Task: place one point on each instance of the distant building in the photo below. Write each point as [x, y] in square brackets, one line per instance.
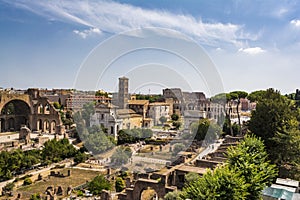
[177, 96]
[158, 110]
[123, 95]
[114, 119]
[191, 116]
[193, 101]
[245, 104]
[139, 106]
[76, 101]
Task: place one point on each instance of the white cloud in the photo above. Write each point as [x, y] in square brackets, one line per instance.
[116, 17]
[87, 32]
[295, 22]
[252, 50]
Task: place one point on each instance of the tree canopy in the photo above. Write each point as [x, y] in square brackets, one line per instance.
[130, 136]
[98, 184]
[272, 116]
[276, 121]
[121, 156]
[205, 129]
[250, 159]
[245, 174]
[163, 119]
[219, 184]
[18, 161]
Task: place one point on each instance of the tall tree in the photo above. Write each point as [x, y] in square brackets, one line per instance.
[273, 116]
[225, 100]
[256, 95]
[205, 129]
[249, 159]
[238, 95]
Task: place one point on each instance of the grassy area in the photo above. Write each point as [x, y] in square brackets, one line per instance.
[78, 177]
[157, 127]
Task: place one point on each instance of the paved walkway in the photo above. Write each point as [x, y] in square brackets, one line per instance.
[209, 149]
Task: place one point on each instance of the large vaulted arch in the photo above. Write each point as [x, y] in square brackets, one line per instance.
[14, 114]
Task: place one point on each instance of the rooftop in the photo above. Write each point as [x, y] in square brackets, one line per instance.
[187, 168]
[138, 102]
[287, 182]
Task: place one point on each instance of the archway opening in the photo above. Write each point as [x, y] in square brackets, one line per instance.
[39, 125]
[52, 127]
[14, 114]
[149, 194]
[46, 126]
[47, 109]
[2, 124]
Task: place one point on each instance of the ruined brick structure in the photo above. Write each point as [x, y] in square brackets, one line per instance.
[30, 109]
[173, 177]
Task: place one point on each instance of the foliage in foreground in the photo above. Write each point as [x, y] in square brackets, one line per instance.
[120, 184]
[249, 158]
[221, 183]
[246, 173]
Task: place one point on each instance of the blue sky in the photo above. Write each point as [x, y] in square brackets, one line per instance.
[254, 44]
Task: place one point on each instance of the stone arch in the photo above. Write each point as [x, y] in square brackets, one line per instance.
[46, 126]
[11, 124]
[47, 109]
[148, 193]
[191, 106]
[144, 184]
[40, 109]
[14, 114]
[2, 125]
[39, 125]
[53, 126]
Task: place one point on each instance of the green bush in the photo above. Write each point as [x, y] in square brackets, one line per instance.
[79, 193]
[35, 196]
[120, 184]
[98, 184]
[27, 181]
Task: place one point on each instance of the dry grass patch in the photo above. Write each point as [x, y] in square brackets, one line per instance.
[78, 177]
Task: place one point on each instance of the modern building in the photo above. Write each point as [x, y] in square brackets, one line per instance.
[76, 101]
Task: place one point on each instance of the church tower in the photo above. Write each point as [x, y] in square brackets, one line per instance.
[123, 93]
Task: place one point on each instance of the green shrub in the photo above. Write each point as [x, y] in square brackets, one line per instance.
[27, 181]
